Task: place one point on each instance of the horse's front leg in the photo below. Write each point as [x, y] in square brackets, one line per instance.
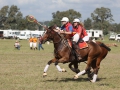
[47, 66]
[56, 64]
[61, 60]
[58, 67]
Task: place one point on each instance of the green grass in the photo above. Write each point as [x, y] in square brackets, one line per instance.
[23, 69]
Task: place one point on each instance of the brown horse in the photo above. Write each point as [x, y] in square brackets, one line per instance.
[63, 53]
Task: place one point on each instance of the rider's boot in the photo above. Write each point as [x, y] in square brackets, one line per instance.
[75, 48]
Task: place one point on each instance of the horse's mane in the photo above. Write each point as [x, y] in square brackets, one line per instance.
[52, 27]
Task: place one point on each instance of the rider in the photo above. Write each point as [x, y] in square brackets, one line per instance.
[66, 26]
[68, 29]
[80, 34]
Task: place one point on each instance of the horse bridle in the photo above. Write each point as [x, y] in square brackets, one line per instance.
[50, 35]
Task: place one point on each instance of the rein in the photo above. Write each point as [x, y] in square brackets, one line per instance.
[58, 41]
[63, 41]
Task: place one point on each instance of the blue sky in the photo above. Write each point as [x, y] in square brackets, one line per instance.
[43, 9]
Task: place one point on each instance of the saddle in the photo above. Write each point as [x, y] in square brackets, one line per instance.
[82, 44]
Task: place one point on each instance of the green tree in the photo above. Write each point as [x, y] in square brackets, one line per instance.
[118, 28]
[57, 16]
[12, 16]
[19, 18]
[88, 24]
[3, 15]
[101, 16]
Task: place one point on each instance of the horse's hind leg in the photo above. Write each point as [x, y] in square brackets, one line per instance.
[75, 69]
[87, 68]
[95, 66]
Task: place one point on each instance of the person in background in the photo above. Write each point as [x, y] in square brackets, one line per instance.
[17, 45]
[39, 43]
[31, 42]
[34, 42]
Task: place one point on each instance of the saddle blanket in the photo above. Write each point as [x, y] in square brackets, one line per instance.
[81, 45]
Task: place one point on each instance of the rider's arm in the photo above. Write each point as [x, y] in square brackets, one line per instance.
[70, 30]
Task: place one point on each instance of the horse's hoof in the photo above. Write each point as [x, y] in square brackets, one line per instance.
[44, 74]
[63, 70]
[92, 81]
[76, 77]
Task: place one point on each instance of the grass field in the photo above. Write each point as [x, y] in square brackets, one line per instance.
[23, 69]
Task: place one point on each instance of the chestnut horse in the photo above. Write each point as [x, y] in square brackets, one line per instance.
[64, 54]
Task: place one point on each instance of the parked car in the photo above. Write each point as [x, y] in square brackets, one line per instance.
[117, 38]
[112, 37]
[23, 36]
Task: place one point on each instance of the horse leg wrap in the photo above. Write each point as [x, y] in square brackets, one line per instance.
[94, 78]
[46, 68]
[80, 73]
[59, 69]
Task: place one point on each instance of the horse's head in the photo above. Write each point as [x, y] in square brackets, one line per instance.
[50, 34]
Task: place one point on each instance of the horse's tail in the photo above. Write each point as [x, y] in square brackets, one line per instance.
[103, 45]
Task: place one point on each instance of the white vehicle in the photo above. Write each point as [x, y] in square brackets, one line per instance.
[15, 33]
[37, 33]
[24, 34]
[95, 33]
[42, 32]
[117, 38]
[7, 33]
[112, 37]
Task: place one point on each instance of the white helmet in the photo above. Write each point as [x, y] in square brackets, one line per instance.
[65, 19]
[76, 20]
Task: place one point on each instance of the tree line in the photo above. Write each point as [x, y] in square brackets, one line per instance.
[12, 18]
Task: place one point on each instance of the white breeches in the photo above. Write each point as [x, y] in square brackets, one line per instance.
[31, 44]
[86, 38]
[76, 37]
[34, 45]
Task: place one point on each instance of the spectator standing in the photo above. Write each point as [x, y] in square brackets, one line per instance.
[35, 42]
[31, 42]
[39, 43]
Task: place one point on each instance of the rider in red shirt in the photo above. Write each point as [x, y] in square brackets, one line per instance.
[80, 31]
[67, 27]
[80, 34]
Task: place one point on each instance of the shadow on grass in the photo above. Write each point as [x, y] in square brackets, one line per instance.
[71, 79]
